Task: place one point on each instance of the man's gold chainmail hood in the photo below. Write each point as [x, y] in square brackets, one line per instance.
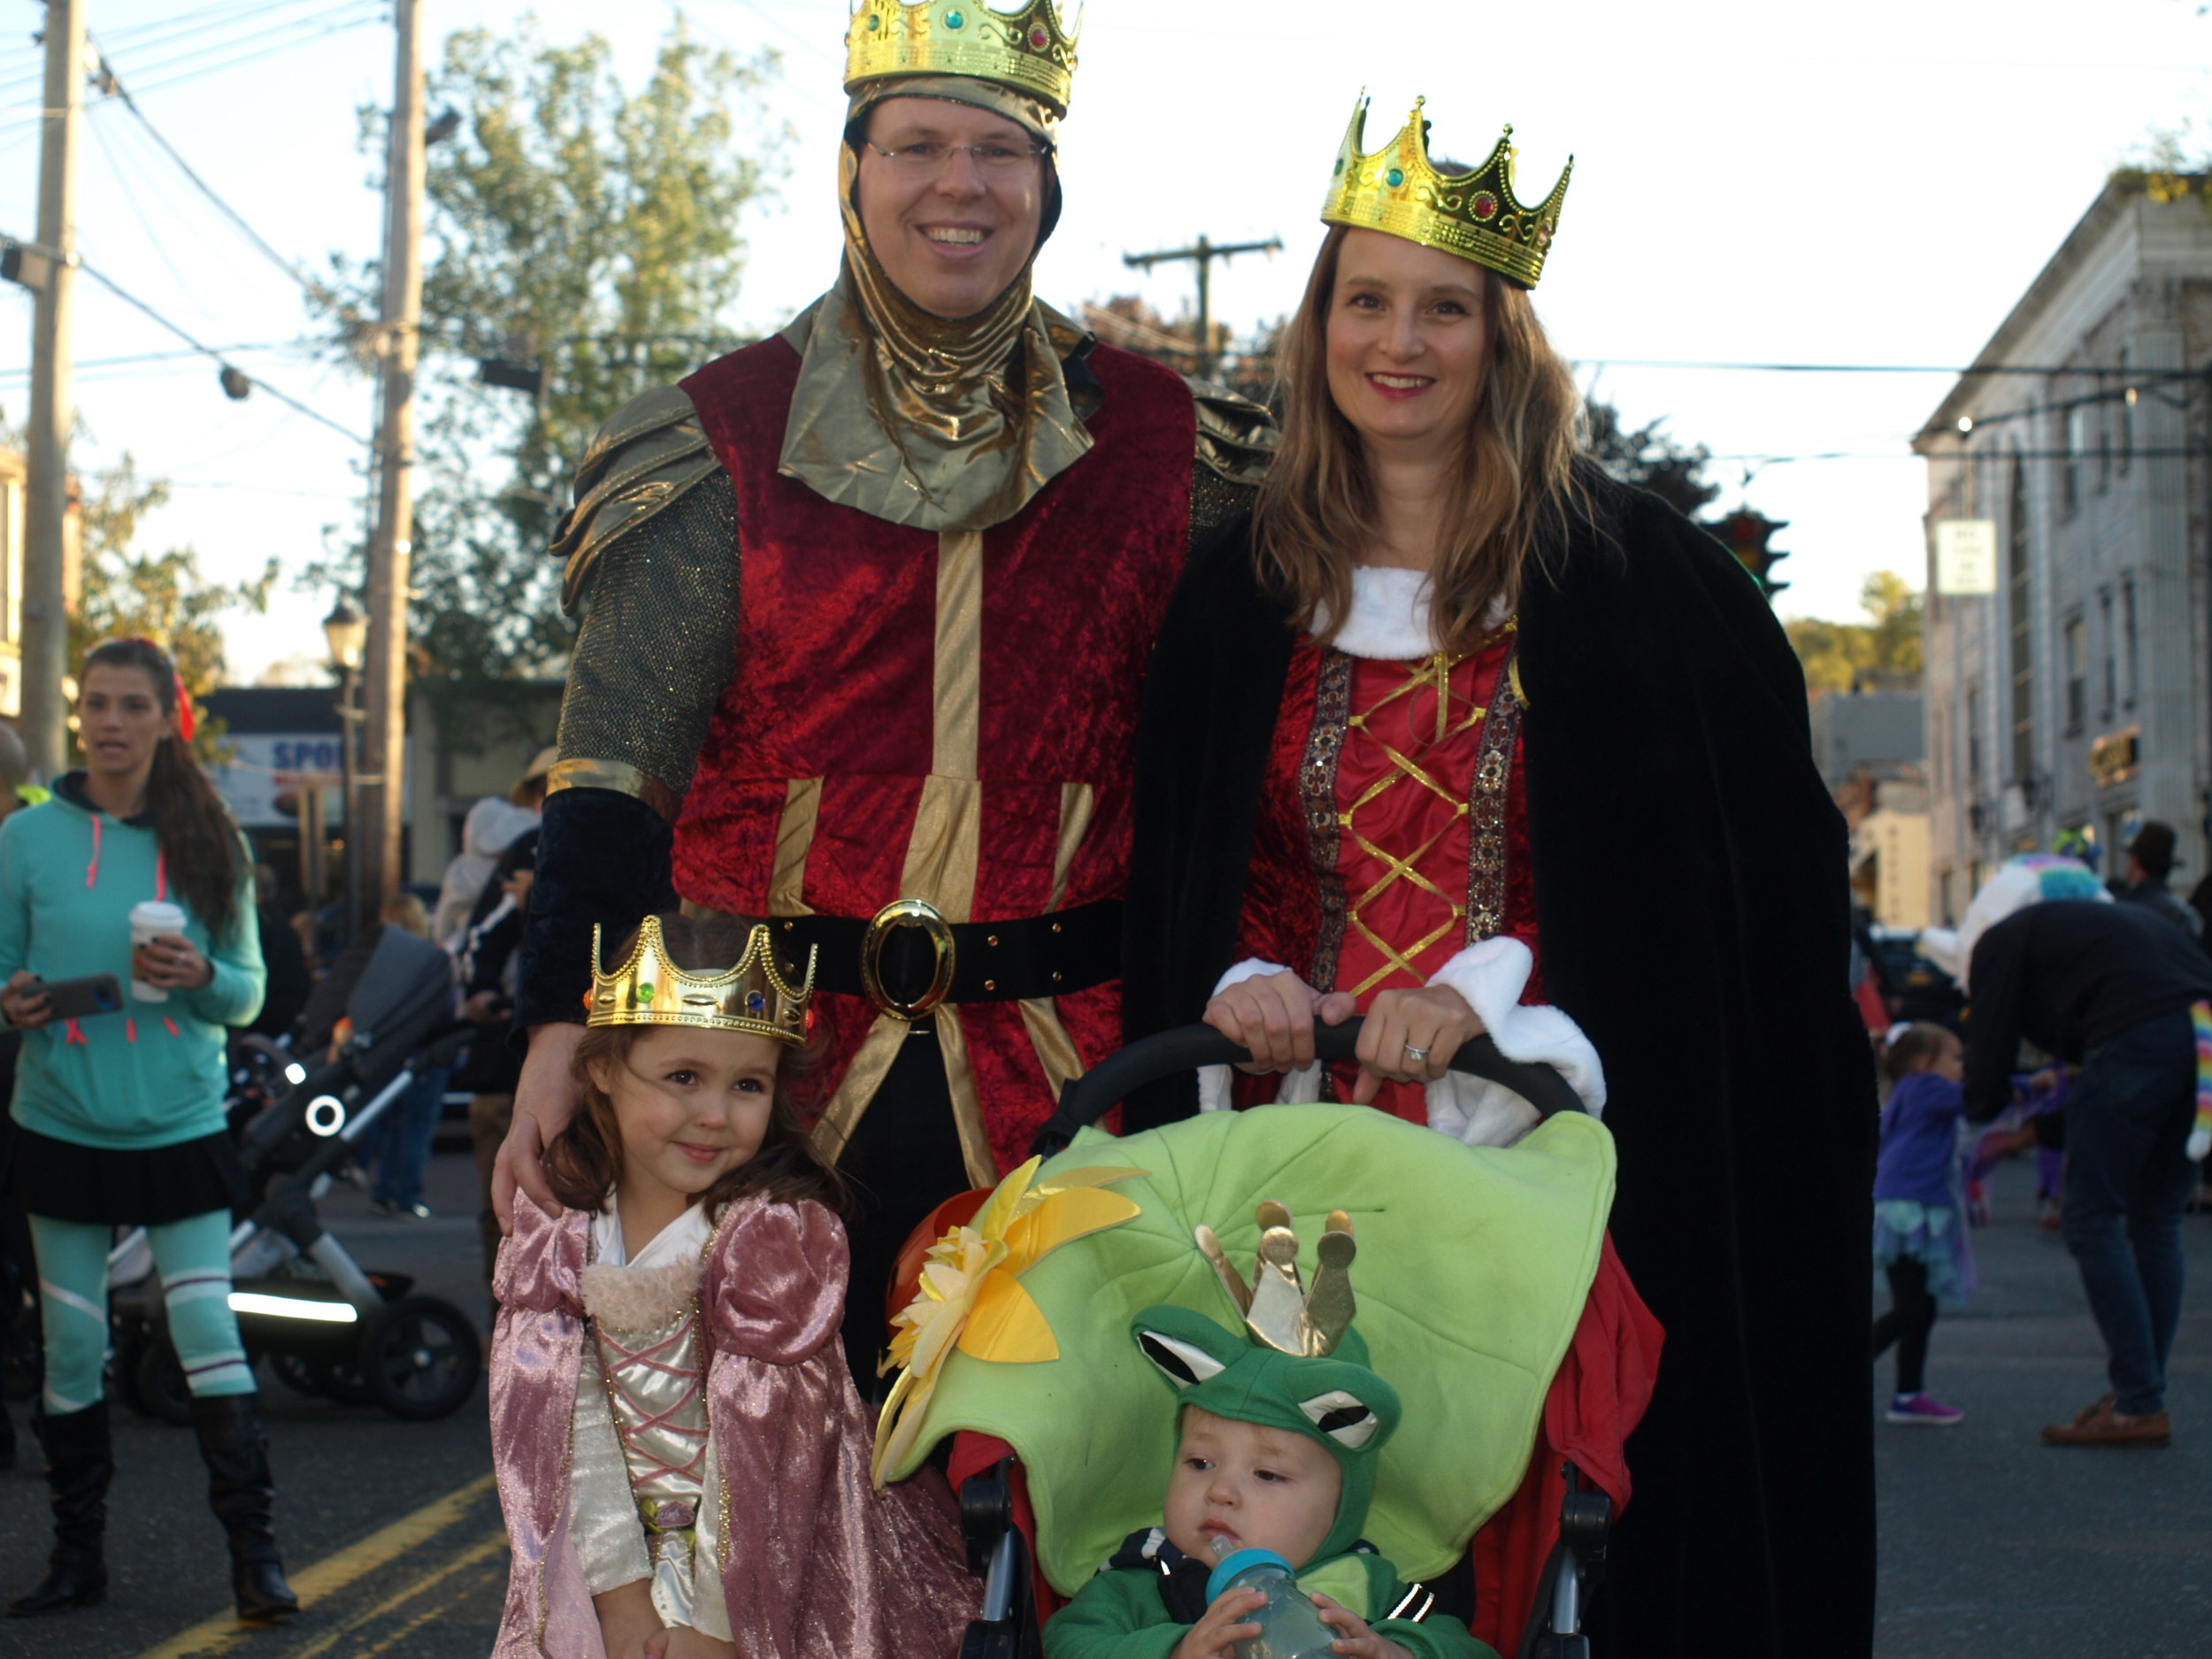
[934, 423]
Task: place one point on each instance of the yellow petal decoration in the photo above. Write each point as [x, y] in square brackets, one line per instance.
[970, 1296]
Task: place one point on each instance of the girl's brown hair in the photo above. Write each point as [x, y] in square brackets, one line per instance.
[585, 1160]
[1516, 489]
[195, 831]
[1917, 1047]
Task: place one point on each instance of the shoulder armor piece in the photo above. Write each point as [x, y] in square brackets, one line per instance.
[1236, 437]
[650, 454]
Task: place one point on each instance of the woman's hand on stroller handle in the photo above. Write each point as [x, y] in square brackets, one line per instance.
[1410, 1037]
[1222, 1625]
[546, 1099]
[1272, 1015]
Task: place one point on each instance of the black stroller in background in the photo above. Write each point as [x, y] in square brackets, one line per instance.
[327, 1326]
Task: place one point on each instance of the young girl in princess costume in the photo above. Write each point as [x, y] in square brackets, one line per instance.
[682, 1458]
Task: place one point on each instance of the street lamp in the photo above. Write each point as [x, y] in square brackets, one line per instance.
[347, 632]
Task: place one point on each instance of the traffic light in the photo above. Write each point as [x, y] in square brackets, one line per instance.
[1746, 534]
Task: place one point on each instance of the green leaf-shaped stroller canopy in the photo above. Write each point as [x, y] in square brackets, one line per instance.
[1473, 1266]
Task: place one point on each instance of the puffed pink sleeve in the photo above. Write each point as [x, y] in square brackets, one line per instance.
[814, 1562]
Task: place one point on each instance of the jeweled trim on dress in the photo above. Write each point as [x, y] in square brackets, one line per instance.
[1486, 804]
[1317, 788]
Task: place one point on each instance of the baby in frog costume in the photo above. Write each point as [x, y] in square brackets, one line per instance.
[1279, 1430]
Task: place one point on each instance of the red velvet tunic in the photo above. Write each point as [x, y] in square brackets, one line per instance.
[1403, 867]
[872, 729]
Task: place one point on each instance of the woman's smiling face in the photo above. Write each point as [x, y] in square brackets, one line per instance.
[1408, 341]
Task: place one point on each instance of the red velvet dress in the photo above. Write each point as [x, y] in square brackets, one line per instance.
[1393, 832]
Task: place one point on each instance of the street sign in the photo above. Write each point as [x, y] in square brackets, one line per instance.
[1966, 556]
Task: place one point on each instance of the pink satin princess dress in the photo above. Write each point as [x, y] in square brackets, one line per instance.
[687, 1418]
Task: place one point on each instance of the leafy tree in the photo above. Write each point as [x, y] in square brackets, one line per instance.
[1651, 458]
[1835, 654]
[586, 229]
[162, 596]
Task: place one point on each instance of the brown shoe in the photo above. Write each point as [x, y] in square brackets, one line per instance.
[2101, 1425]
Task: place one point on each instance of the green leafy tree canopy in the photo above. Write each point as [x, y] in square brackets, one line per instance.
[1835, 654]
[587, 229]
[161, 596]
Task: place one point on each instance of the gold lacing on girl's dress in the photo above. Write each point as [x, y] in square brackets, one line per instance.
[1455, 714]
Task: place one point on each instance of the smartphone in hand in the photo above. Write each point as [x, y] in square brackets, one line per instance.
[75, 999]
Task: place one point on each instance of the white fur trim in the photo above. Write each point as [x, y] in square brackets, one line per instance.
[1392, 617]
[1491, 976]
[639, 1298]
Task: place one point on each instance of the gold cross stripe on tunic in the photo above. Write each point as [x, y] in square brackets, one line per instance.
[1455, 714]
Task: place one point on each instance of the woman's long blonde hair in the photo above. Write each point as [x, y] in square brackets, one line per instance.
[1518, 485]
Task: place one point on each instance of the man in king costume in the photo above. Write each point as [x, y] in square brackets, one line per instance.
[864, 611]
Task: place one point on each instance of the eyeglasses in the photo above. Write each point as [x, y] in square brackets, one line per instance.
[923, 159]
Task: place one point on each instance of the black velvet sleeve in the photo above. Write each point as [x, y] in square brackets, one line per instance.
[1212, 692]
[603, 857]
[1993, 1035]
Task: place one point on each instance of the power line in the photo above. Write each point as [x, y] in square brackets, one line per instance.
[260, 28]
[209, 351]
[314, 290]
[363, 20]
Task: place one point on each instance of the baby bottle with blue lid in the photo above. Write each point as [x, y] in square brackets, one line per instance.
[1290, 1625]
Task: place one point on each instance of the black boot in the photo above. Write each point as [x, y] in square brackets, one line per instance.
[240, 1492]
[79, 1462]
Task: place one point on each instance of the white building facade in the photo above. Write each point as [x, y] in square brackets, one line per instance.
[2078, 696]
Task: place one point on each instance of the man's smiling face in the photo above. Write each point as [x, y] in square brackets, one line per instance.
[950, 235]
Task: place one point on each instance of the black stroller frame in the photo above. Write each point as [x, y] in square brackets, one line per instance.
[1007, 1626]
[327, 1326]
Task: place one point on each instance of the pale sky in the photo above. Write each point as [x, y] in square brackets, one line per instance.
[1755, 183]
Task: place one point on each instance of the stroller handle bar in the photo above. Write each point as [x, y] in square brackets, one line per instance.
[1086, 1100]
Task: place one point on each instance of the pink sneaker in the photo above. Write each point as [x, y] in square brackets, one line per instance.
[1923, 1409]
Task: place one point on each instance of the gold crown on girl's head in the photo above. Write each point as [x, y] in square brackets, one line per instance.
[1028, 50]
[1475, 215]
[648, 989]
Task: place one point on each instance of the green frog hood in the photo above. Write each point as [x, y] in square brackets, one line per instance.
[1297, 1366]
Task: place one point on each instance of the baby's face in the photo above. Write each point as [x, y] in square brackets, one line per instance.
[1238, 1486]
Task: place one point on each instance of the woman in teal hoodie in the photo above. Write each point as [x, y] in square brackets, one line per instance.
[119, 1116]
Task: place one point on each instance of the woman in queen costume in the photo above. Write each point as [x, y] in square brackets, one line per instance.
[682, 1459]
[1457, 732]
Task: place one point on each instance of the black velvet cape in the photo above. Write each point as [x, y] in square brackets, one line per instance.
[1693, 917]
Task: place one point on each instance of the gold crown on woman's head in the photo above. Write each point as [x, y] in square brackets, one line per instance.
[648, 989]
[1475, 215]
[1028, 50]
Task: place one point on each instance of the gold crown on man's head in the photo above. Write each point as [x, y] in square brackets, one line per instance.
[1028, 50]
[1475, 215]
[648, 989]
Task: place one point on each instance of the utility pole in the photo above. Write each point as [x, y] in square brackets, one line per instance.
[45, 552]
[391, 548]
[1203, 253]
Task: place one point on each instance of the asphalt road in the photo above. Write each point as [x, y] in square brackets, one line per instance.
[1992, 1544]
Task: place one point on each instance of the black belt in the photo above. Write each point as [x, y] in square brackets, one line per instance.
[907, 958]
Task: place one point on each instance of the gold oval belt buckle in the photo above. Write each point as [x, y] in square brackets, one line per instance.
[907, 913]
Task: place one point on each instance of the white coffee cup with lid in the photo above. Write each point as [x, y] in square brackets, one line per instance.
[152, 920]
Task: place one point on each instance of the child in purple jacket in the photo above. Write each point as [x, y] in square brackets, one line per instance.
[1919, 1216]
